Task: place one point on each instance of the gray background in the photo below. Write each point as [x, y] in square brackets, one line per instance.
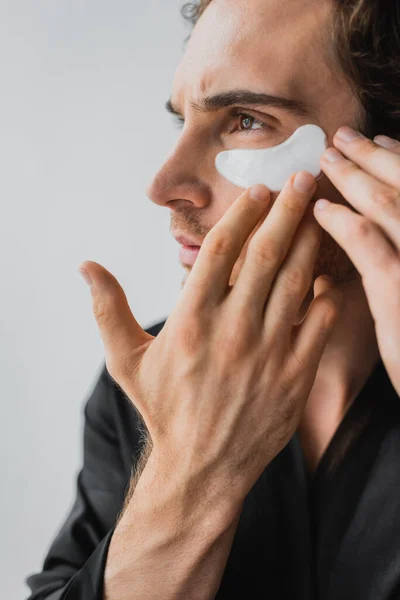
[82, 132]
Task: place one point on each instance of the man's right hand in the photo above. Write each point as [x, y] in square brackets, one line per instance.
[223, 386]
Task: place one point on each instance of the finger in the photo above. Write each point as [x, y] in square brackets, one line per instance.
[119, 330]
[222, 247]
[388, 143]
[313, 333]
[365, 243]
[379, 162]
[322, 284]
[295, 277]
[375, 200]
[269, 246]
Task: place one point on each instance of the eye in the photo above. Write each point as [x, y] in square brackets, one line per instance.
[248, 122]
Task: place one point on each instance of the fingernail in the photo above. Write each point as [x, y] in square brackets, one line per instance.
[86, 277]
[321, 204]
[304, 182]
[347, 134]
[259, 192]
[385, 141]
[332, 155]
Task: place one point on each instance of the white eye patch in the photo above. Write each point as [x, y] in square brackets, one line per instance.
[273, 166]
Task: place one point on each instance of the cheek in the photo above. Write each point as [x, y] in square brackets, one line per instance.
[326, 189]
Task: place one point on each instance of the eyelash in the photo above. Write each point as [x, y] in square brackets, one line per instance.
[236, 113]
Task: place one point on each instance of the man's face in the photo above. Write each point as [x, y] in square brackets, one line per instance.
[274, 47]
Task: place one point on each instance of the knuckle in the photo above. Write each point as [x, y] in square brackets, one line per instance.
[234, 342]
[292, 205]
[265, 251]
[101, 312]
[361, 228]
[189, 337]
[219, 244]
[386, 197]
[293, 279]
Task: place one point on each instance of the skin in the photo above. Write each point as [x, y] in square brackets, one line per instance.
[238, 328]
[262, 47]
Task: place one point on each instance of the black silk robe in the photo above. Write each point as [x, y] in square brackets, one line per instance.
[334, 535]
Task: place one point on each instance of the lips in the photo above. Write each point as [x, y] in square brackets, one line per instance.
[189, 250]
[186, 241]
[188, 255]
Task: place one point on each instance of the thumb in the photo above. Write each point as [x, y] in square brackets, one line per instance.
[119, 330]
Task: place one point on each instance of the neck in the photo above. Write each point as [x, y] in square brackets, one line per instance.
[349, 358]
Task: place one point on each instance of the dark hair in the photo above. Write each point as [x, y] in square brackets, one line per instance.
[366, 46]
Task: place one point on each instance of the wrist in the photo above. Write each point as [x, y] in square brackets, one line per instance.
[165, 525]
[190, 504]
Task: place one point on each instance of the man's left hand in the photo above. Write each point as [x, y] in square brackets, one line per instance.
[368, 176]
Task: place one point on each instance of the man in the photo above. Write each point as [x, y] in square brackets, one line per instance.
[261, 421]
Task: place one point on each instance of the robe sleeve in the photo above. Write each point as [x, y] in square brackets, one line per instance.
[74, 566]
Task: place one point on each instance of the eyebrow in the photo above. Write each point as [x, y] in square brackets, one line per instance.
[230, 98]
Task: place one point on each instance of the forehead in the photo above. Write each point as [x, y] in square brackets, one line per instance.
[279, 47]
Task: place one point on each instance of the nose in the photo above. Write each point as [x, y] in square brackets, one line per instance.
[185, 177]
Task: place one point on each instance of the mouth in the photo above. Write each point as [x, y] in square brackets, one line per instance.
[188, 255]
[189, 250]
